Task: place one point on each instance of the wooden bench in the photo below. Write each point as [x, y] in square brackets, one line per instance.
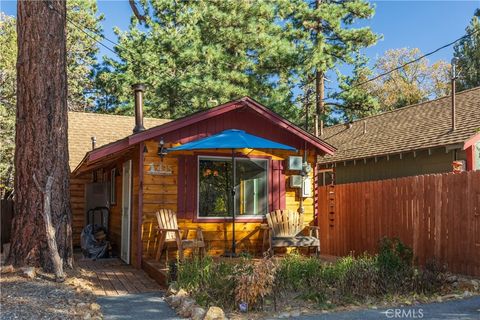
[285, 228]
[169, 232]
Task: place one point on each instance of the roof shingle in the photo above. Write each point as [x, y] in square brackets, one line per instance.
[420, 126]
[106, 128]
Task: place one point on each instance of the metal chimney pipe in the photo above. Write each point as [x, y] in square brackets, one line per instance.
[453, 93]
[138, 89]
[94, 142]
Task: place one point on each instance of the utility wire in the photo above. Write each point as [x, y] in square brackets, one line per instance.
[409, 62]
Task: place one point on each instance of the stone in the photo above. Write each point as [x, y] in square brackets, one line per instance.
[476, 284]
[87, 316]
[94, 306]
[29, 272]
[214, 313]
[172, 289]
[284, 315]
[181, 293]
[452, 279]
[175, 301]
[186, 306]
[81, 305]
[467, 294]
[198, 313]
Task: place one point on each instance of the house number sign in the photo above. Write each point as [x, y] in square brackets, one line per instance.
[160, 169]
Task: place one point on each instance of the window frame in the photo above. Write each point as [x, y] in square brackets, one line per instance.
[237, 217]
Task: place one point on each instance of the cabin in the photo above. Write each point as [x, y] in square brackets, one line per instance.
[436, 136]
[136, 175]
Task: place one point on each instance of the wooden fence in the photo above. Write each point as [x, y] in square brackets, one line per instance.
[437, 215]
[6, 215]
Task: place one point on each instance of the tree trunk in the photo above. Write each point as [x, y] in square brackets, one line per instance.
[319, 86]
[41, 153]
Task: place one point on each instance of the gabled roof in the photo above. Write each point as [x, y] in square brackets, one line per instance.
[106, 128]
[163, 129]
[420, 126]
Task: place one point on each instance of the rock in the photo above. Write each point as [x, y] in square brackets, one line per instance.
[7, 269]
[439, 299]
[181, 293]
[214, 313]
[186, 306]
[450, 296]
[94, 306]
[172, 289]
[175, 301]
[198, 313]
[81, 305]
[452, 279]
[87, 316]
[467, 294]
[29, 272]
[475, 284]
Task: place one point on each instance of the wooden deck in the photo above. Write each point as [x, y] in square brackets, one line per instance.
[112, 277]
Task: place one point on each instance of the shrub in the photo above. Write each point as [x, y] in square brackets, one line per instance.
[358, 277]
[254, 281]
[210, 283]
[303, 275]
[395, 264]
[431, 278]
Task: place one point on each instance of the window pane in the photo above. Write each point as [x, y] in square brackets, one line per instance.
[214, 185]
[251, 187]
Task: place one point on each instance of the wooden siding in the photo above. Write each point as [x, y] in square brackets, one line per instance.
[163, 192]
[439, 161]
[77, 201]
[437, 215]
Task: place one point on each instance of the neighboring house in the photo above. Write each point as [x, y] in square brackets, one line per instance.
[105, 128]
[134, 177]
[413, 140]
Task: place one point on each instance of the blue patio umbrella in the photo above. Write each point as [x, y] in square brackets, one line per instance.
[232, 139]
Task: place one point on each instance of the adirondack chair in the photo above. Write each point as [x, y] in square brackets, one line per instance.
[284, 230]
[170, 233]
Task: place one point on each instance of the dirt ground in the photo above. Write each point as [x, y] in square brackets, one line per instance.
[43, 298]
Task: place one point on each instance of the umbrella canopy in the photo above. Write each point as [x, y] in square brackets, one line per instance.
[232, 139]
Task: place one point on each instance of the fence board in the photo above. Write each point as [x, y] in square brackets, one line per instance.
[437, 215]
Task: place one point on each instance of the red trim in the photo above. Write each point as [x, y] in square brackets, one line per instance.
[140, 206]
[181, 188]
[108, 149]
[471, 141]
[191, 187]
[246, 102]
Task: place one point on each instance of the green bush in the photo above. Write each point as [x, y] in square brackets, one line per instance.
[209, 282]
[358, 278]
[395, 264]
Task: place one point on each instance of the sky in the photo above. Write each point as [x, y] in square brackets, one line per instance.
[426, 25]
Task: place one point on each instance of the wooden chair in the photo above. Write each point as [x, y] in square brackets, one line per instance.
[284, 230]
[168, 232]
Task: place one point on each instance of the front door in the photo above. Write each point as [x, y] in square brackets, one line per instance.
[126, 210]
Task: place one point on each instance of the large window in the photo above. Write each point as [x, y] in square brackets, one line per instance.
[215, 186]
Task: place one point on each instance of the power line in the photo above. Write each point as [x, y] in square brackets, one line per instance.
[409, 62]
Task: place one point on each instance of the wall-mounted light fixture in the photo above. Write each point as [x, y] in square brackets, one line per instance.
[162, 151]
[145, 149]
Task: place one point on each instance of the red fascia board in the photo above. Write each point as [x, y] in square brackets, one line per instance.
[290, 126]
[108, 149]
[471, 141]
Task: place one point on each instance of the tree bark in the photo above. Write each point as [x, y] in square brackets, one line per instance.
[319, 86]
[41, 153]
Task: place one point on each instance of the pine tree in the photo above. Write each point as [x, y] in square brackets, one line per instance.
[41, 227]
[197, 54]
[325, 37]
[468, 53]
[81, 51]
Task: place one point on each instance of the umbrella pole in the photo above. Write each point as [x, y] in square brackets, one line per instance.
[233, 203]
